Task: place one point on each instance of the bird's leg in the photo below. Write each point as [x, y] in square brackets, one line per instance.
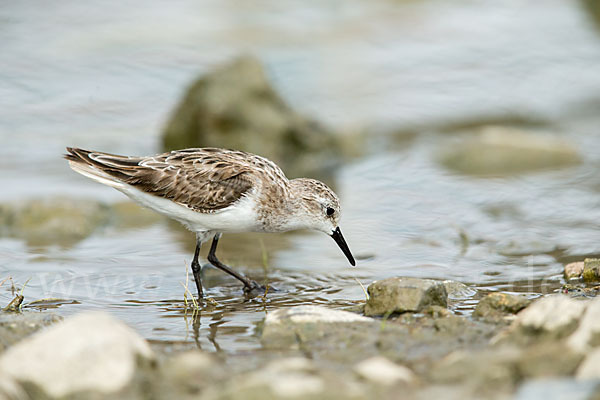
[197, 270]
[249, 284]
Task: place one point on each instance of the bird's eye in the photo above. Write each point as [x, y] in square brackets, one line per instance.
[330, 211]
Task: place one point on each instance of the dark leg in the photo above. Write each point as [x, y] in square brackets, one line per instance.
[196, 270]
[249, 285]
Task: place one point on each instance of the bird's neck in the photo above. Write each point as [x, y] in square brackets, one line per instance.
[291, 211]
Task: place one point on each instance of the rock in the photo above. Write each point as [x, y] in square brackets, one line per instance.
[295, 377]
[499, 150]
[557, 315]
[57, 220]
[66, 221]
[382, 371]
[398, 295]
[587, 334]
[496, 306]
[307, 314]
[554, 389]
[190, 372]
[590, 367]
[10, 390]
[304, 327]
[437, 312]
[580, 290]
[17, 326]
[573, 270]
[548, 359]
[489, 370]
[591, 270]
[236, 107]
[458, 290]
[90, 352]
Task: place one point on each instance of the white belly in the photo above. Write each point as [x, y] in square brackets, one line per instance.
[240, 217]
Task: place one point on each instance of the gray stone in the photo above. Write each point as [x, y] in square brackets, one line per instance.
[548, 359]
[555, 314]
[458, 290]
[398, 295]
[66, 221]
[573, 270]
[382, 371]
[591, 270]
[294, 377]
[190, 372]
[17, 326]
[235, 107]
[55, 220]
[496, 306]
[489, 370]
[556, 389]
[315, 327]
[587, 334]
[10, 390]
[590, 367]
[90, 352]
[498, 150]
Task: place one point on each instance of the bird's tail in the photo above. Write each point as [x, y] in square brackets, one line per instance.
[80, 161]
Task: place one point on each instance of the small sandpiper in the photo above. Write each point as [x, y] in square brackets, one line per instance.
[212, 191]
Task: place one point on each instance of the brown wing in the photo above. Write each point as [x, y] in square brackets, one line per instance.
[204, 180]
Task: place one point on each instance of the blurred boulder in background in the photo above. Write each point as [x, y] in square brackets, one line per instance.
[500, 150]
[592, 7]
[236, 107]
[66, 221]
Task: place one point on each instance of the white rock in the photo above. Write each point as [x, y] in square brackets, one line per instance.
[303, 314]
[589, 326]
[590, 367]
[291, 364]
[382, 371]
[551, 313]
[90, 351]
[289, 377]
[10, 390]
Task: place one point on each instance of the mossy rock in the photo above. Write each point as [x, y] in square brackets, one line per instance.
[591, 270]
[236, 107]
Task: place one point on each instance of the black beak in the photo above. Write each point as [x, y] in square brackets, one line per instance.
[339, 239]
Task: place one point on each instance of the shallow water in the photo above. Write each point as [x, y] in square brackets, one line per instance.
[105, 76]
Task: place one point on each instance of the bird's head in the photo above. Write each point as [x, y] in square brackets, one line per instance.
[319, 209]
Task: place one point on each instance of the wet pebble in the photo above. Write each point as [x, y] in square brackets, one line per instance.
[496, 306]
[591, 270]
[398, 295]
[573, 270]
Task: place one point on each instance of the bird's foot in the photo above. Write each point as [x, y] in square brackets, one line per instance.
[256, 289]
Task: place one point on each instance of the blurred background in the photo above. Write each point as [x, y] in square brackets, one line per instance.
[462, 138]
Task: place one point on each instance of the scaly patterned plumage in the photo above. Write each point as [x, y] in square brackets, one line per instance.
[212, 190]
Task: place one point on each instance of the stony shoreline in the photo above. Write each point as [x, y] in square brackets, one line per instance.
[414, 345]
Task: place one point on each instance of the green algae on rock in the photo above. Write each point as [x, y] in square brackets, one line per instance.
[591, 270]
